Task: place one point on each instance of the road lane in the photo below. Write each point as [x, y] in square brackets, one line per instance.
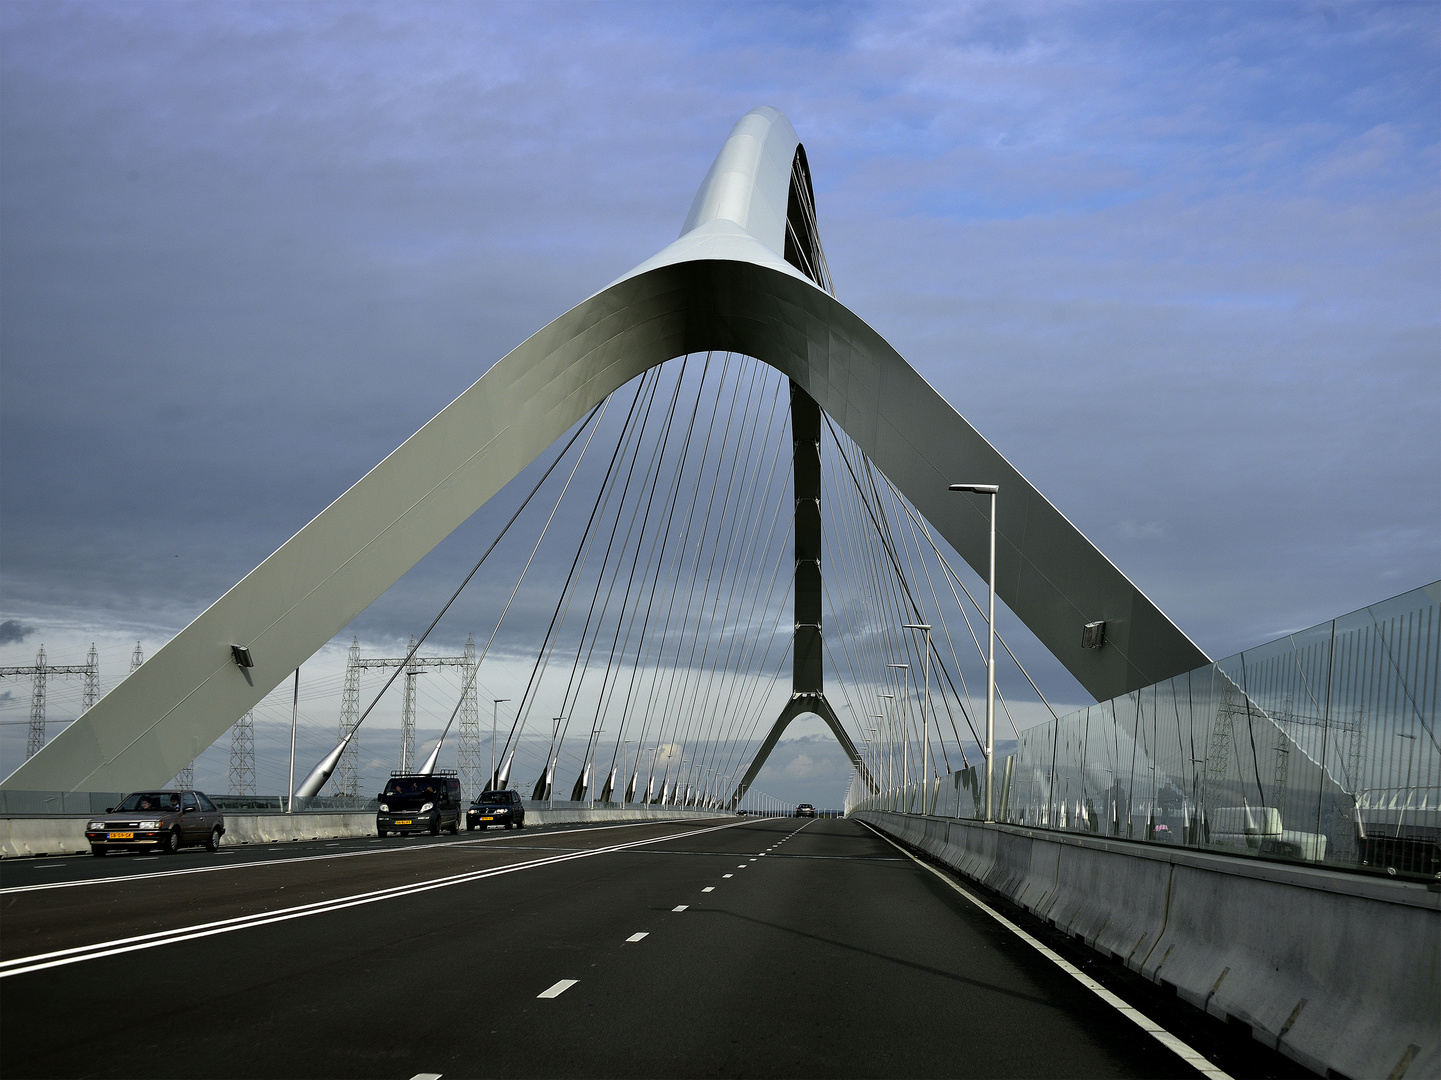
[828, 955]
[43, 920]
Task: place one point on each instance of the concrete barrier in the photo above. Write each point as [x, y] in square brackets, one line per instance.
[1338, 971]
[54, 835]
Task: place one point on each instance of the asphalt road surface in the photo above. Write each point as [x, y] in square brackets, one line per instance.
[750, 947]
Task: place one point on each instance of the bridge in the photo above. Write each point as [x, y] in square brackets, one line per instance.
[1222, 867]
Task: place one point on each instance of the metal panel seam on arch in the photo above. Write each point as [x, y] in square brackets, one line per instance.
[723, 285]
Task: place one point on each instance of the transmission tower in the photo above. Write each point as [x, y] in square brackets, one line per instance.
[35, 735]
[242, 756]
[407, 713]
[417, 665]
[468, 741]
[136, 658]
[40, 673]
[90, 692]
[347, 772]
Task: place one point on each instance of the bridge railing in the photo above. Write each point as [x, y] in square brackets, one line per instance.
[1319, 747]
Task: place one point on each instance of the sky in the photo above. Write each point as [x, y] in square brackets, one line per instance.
[1179, 262]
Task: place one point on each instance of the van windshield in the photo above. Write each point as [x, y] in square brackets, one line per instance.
[420, 785]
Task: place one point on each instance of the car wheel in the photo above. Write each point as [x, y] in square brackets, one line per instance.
[455, 827]
[435, 826]
[171, 844]
[380, 832]
[520, 824]
[213, 844]
[97, 851]
[510, 824]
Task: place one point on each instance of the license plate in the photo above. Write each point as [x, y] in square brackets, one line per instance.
[122, 836]
[405, 822]
[487, 819]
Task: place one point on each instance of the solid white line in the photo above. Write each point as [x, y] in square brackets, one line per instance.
[558, 989]
[408, 849]
[640, 936]
[709, 888]
[680, 907]
[1181, 1049]
[61, 957]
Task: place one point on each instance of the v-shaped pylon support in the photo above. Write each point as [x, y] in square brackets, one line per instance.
[808, 692]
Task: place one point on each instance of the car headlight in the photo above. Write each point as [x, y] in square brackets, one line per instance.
[426, 807]
[148, 825]
[385, 807]
[96, 826]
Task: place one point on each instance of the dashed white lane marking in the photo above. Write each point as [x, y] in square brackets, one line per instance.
[742, 866]
[727, 875]
[641, 936]
[558, 989]
[426, 1076]
[25, 964]
[1183, 1050]
[709, 888]
[680, 907]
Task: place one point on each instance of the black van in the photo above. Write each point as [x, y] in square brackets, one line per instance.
[416, 802]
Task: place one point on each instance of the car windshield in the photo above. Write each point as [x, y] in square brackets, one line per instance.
[154, 801]
[494, 797]
[411, 786]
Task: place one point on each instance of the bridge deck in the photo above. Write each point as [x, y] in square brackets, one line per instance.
[820, 951]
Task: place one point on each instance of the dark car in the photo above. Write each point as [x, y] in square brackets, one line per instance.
[419, 802]
[805, 809]
[496, 808]
[163, 821]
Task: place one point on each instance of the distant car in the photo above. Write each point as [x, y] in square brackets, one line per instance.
[496, 808]
[163, 821]
[419, 802]
[805, 809]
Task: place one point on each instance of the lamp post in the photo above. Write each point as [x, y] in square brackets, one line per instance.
[905, 724]
[877, 747]
[890, 748]
[992, 490]
[925, 713]
[494, 708]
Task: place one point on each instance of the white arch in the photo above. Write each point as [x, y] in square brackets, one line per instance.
[724, 285]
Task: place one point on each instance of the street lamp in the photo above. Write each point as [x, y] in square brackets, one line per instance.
[991, 490]
[494, 708]
[905, 724]
[925, 713]
[890, 748]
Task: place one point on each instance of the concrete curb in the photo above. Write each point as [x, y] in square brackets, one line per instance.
[22, 837]
[1339, 972]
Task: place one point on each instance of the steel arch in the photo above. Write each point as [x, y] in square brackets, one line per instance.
[723, 285]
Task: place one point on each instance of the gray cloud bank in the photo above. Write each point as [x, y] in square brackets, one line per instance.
[1177, 261]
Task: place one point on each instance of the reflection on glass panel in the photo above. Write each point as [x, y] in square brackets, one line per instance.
[1320, 747]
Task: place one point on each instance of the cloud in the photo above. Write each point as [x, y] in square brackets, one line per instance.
[13, 630]
[1179, 269]
[1130, 530]
[801, 767]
